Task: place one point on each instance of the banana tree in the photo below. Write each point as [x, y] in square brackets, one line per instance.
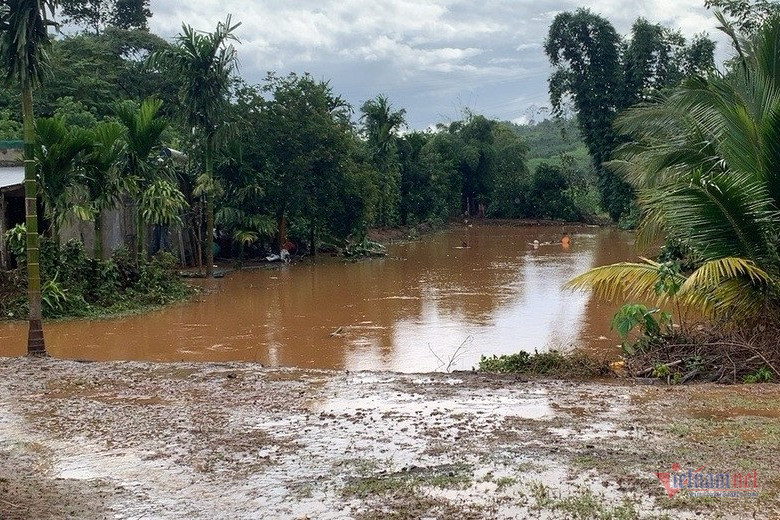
[24, 50]
[205, 63]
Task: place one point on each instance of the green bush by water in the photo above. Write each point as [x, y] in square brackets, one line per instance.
[551, 363]
[75, 285]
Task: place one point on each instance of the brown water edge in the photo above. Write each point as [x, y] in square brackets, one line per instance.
[431, 305]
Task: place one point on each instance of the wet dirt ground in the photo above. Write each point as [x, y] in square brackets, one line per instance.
[130, 440]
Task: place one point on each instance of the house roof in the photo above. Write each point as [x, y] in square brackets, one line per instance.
[11, 176]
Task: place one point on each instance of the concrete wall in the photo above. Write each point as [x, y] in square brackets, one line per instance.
[113, 232]
[3, 227]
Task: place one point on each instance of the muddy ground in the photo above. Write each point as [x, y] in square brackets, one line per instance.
[237, 441]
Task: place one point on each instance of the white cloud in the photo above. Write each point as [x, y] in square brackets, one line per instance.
[426, 55]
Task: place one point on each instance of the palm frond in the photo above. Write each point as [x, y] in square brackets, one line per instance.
[24, 39]
[206, 63]
[713, 273]
[624, 281]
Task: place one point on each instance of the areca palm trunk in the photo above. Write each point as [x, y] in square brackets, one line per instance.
[209, 208]
[36, 345]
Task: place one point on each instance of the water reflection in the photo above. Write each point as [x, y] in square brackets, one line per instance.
[409, 312]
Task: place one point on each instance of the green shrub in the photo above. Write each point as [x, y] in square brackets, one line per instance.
[551, 363]
[762, 375]
[74, 285]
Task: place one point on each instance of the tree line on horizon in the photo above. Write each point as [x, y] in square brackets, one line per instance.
[287, 158]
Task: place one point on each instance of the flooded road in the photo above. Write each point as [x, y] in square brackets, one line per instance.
[430, 305]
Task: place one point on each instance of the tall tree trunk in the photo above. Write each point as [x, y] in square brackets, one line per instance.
[97, 246]
[198, 237]
[209, 209]
[36, 346]
[182, 253]
[55, 232]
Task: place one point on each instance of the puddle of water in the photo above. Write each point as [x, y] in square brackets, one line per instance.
[408, 404]
[426, 307]
[533, 404]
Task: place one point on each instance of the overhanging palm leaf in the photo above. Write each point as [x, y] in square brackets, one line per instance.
[625, 280]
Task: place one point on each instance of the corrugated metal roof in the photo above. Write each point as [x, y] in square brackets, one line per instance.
[11, 176]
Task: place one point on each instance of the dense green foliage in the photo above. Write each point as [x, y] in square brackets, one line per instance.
[381, 125]
[90, 74]
[705, 162]
[96, 15]
[602, 74]
[747, 15]
[552, 363]
[292, 162]
[76, 285]
[288, 163]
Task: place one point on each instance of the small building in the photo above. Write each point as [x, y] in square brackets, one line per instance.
[11, 192]
[117, 224]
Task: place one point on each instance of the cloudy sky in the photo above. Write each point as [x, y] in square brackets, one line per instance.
[432, 57]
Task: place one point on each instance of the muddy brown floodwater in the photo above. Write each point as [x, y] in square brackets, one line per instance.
[430, 305]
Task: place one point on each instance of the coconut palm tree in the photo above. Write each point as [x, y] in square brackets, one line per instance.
[705, 161]
[205, 63]
[24, 50]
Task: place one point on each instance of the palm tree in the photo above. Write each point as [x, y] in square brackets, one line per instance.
[205, 62]
[24, 47]
[143, 128]
[705, 161]
[58, 156]
[381, 127]
[103, 180]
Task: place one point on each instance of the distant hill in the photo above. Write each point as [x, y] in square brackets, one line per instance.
[547, 140]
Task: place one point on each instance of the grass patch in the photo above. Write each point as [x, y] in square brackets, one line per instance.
[407, 481]
[583, 504]
[552, 363]
[504, 482]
